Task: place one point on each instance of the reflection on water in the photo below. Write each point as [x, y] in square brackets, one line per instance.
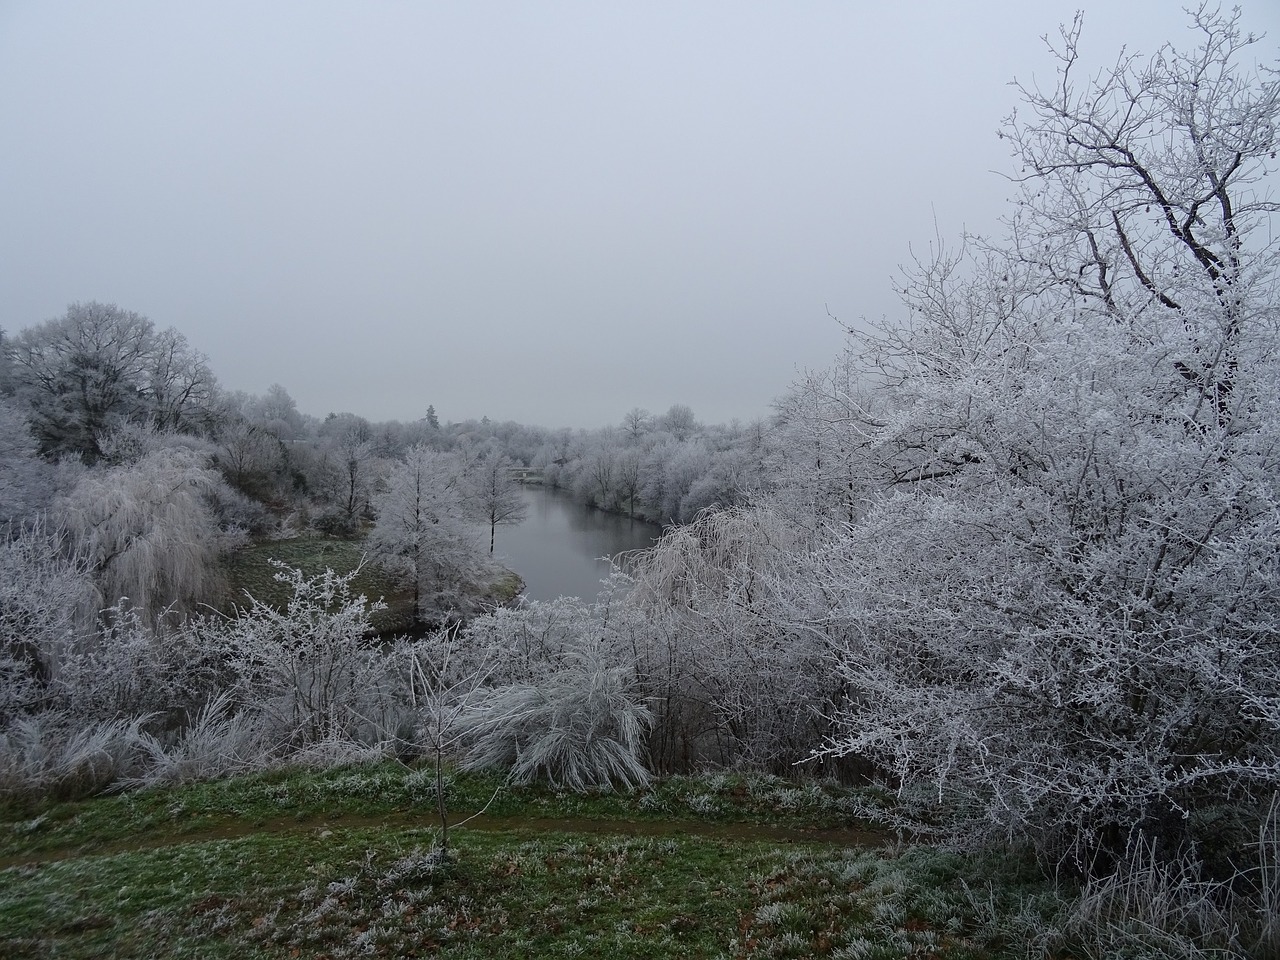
[557, 549]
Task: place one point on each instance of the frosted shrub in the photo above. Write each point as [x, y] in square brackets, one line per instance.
[58, 754]
[217, 743]
[578, 727]
[308, 670]
[46, 606]
[128, 669]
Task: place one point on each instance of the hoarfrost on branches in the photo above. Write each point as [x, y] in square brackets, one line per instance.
[1059, 611]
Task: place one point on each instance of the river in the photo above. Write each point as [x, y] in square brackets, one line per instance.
[557, 548]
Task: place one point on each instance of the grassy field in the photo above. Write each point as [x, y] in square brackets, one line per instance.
[346, 862]
[249, 570]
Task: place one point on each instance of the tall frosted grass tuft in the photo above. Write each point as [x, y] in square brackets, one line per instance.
[218, 742]
[1155, 907]
[51, 753]
[1261, 886]
[579, 727]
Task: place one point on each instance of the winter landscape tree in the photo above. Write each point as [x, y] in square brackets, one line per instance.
[347, 468]
[444, 686]
[1059, 614]
[27, 481]
[422, 531]
[249, 455]
[276, 412]
[147, 530]
[626, 470]
[495, 493]
[730, 683]
[595, 482]
[636, 422]
[679, 421]
[97, 366]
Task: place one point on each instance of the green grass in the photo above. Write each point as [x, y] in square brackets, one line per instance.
[733, 803]
[250, 570]
[345, 863]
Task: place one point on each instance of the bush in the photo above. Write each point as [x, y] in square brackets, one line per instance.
[308, 671]
[58, 754]
[580, 727]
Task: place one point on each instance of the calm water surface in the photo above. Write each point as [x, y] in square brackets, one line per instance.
[559, 546]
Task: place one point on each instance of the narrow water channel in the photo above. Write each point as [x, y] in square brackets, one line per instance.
[558, 548]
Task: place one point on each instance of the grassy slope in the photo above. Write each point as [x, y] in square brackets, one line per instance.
[329, 864]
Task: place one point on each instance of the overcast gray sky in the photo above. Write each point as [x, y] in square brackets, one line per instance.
[546, 212]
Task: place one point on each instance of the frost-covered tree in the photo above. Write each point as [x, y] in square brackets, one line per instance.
[147, 530]
[445, 681]
[494, 493]
[679, 421]
[729, 681]
[98, 366]
[636, 422]
[6, 365]
[1059, 614]
[422, 530]
[687, 465]
[347, 469]
[27, 482]
[266, 450]
[179, 387]
[276, 412]
[249, 455]
[596, 477]
[626, 476]
[820, 470]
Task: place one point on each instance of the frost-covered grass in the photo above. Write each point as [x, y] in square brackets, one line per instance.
[47, 754]
[346, 862]
[160, 885]
[391, 789]
[250, 570]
